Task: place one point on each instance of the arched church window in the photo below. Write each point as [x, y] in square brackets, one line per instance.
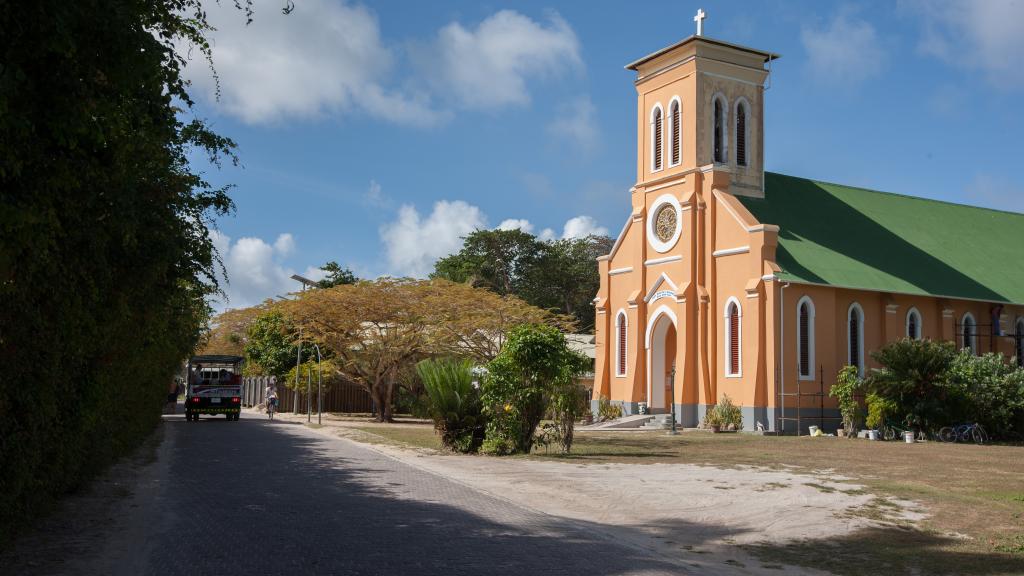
[732, 338]
[675, 146]
[620, 352]
[719, 130]
[855, 337]
[657, 148]
[805, 337]
[968, 333]
[1019, 338]
[741, 134]
[914, 324]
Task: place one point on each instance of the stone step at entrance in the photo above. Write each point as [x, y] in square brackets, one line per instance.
[659, 422]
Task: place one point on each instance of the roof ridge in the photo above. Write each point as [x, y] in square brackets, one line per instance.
[898, 195]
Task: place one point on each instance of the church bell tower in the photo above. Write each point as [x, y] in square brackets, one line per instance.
[701, 104]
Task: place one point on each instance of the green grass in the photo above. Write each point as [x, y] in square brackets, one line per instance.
[419, 436]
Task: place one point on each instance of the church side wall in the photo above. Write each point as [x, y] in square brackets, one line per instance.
[885, 321]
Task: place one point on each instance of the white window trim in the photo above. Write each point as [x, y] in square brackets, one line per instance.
[728, 338]
[860, 337]
[746, 128]
[652, 235]
[725, 128]
[675, 100]
[657, 107]
[920, 333]
[810, 337]
[973, 344]
[621, 320]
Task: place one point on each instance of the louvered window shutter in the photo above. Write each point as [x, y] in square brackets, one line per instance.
[741, 135]
[657, 139]
[622, 345]
[805, 361]
[854, 340]
[718, 131]
[734, 340]
[676, 129]
[1020, 344]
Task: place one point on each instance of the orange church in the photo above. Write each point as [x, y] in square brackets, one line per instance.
[733, 280]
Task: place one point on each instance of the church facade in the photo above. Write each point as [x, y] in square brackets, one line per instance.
[729, 280]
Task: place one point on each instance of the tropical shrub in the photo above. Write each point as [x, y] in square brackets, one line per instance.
[991, 392]
[606, 410]
[845, 390]
[725, 414]
[454, 402]
[534, 368]
[880, 409]
[914, 377]
[568, 404]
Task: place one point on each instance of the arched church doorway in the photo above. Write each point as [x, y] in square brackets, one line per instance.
[661, 354]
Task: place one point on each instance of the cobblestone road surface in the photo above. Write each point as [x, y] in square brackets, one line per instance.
[257, 497]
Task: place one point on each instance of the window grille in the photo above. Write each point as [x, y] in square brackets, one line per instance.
[734, 339]
[719, 146]
[621, 368]
[657, 139]
[805, 340]
[676, 135]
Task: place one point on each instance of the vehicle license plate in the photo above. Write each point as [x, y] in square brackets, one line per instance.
[214, 400]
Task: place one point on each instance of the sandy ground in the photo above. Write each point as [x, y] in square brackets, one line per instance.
[701, 512]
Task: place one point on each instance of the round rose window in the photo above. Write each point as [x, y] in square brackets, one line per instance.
[665, 223]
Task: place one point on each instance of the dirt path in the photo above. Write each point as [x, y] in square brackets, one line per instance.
[702, 514]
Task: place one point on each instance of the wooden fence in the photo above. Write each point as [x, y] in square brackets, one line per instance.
[339, 398]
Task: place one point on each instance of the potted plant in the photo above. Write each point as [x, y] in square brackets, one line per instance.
[730, 414]
[712, 420]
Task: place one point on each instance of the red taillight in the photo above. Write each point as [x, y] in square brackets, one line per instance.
[195, 399]
[236, 400]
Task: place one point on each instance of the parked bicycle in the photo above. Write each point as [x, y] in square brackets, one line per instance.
[964, 433]
[891, 430]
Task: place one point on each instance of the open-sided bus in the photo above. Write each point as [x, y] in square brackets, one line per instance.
[214, 386]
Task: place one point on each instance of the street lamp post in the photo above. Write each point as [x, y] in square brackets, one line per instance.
[306, 283]
[319, 385]
[672, 400]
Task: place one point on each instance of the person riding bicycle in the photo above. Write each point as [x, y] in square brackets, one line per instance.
[271, 396]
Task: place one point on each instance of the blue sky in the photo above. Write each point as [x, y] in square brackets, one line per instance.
[376, 134]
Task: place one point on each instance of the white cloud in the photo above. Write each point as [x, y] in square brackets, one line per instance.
[488, 66]
[255, 270]
[847, 50]
[324, 57]
[577, 123]
[986, 36]
[516, 224]
[375, 196]
[413, 243]
[547, 235]
[581, 227]
[314, 273]
[284, 245]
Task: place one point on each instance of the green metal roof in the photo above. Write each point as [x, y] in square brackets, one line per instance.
[856, 238]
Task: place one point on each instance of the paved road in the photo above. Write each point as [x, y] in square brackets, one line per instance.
[257, 497]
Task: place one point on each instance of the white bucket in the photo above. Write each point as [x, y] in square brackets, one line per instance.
[872, 434]
[908, 437]
[812, 430]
